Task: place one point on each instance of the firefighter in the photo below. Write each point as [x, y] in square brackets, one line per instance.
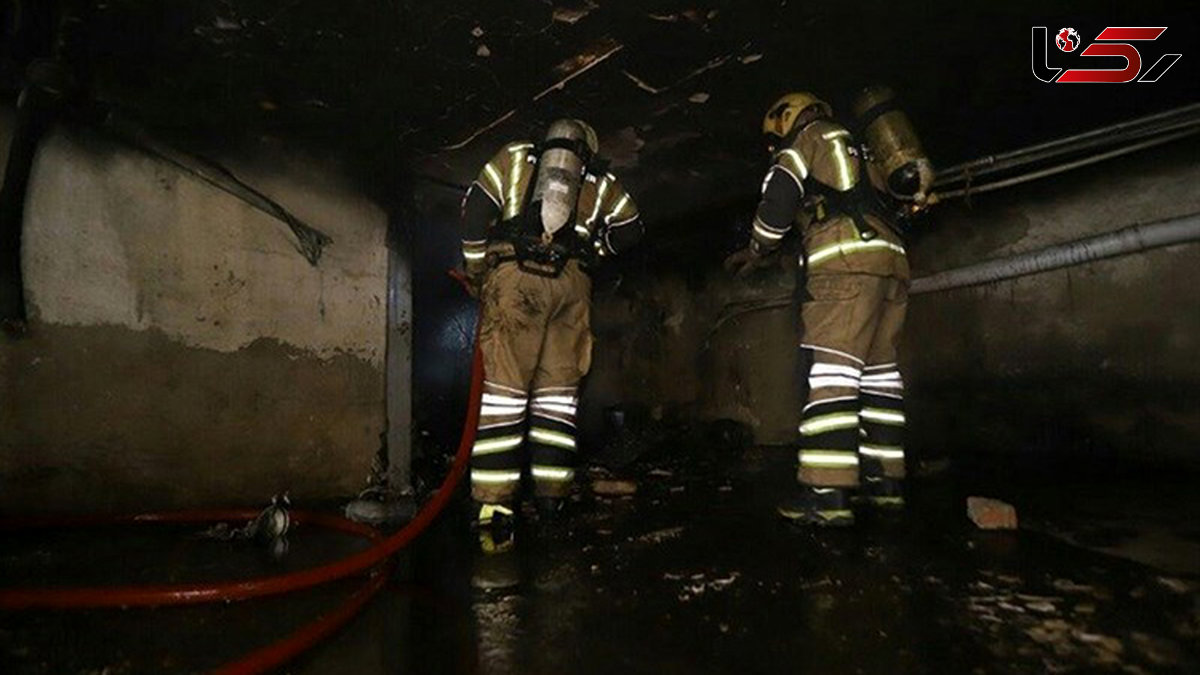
[856, 290]
[536, 219]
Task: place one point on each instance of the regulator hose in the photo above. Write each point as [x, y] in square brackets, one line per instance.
[375, 559]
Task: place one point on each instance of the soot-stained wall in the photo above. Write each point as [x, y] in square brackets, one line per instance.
[181, 350]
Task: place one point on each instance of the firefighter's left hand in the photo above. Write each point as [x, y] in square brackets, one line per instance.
[475, 273]
[744, 262]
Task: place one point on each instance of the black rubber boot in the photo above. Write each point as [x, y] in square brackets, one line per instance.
[822, 507]
[882, 492]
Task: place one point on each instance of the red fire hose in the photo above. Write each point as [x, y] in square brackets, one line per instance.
[376, 559]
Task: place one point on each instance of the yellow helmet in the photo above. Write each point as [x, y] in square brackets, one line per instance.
[781, 116]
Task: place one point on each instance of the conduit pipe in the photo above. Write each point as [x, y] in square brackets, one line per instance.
[1060, 168]
[998, 165]
[310, 242]
[1133, 239]
[1113, 134]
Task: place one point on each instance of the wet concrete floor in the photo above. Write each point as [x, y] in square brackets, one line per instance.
[692, 574]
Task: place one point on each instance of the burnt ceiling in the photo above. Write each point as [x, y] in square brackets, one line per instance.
[675, 88]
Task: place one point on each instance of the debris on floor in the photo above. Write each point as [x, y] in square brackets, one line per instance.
[698, 584]
[991, 514]
[659, 536]
[1157, 650]
[1060, 634]
[1175, 585]
[614, 487]
[1068, 586]
[932, 467]
[572, 15]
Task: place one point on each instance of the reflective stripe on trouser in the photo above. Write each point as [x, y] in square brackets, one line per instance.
[496, 455]
[552, 440]
[882, 448]
[850, 320]
[535, 337]
[829, 427]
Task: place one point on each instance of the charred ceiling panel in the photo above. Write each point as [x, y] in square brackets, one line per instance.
[675, 88]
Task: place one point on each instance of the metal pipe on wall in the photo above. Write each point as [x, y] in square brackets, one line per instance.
[1114, 134]
[1128, 240]
[1133, 239]
[1061, 168]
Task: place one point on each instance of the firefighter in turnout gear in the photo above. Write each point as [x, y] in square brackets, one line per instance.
[856, 290]
[535, 220]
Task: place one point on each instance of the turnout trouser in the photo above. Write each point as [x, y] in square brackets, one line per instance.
[536, 339]
[853, 421]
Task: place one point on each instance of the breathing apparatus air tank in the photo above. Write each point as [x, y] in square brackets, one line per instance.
[560, 173]
[895, 148]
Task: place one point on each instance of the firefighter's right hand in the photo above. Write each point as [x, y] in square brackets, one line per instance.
[475, 274]
[742, 263]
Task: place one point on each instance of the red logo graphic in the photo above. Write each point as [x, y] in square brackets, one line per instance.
[1112, 41]
[1067, 39]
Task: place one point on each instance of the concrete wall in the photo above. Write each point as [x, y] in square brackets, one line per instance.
[666, 343]
[1097, 360]
[181, 350]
